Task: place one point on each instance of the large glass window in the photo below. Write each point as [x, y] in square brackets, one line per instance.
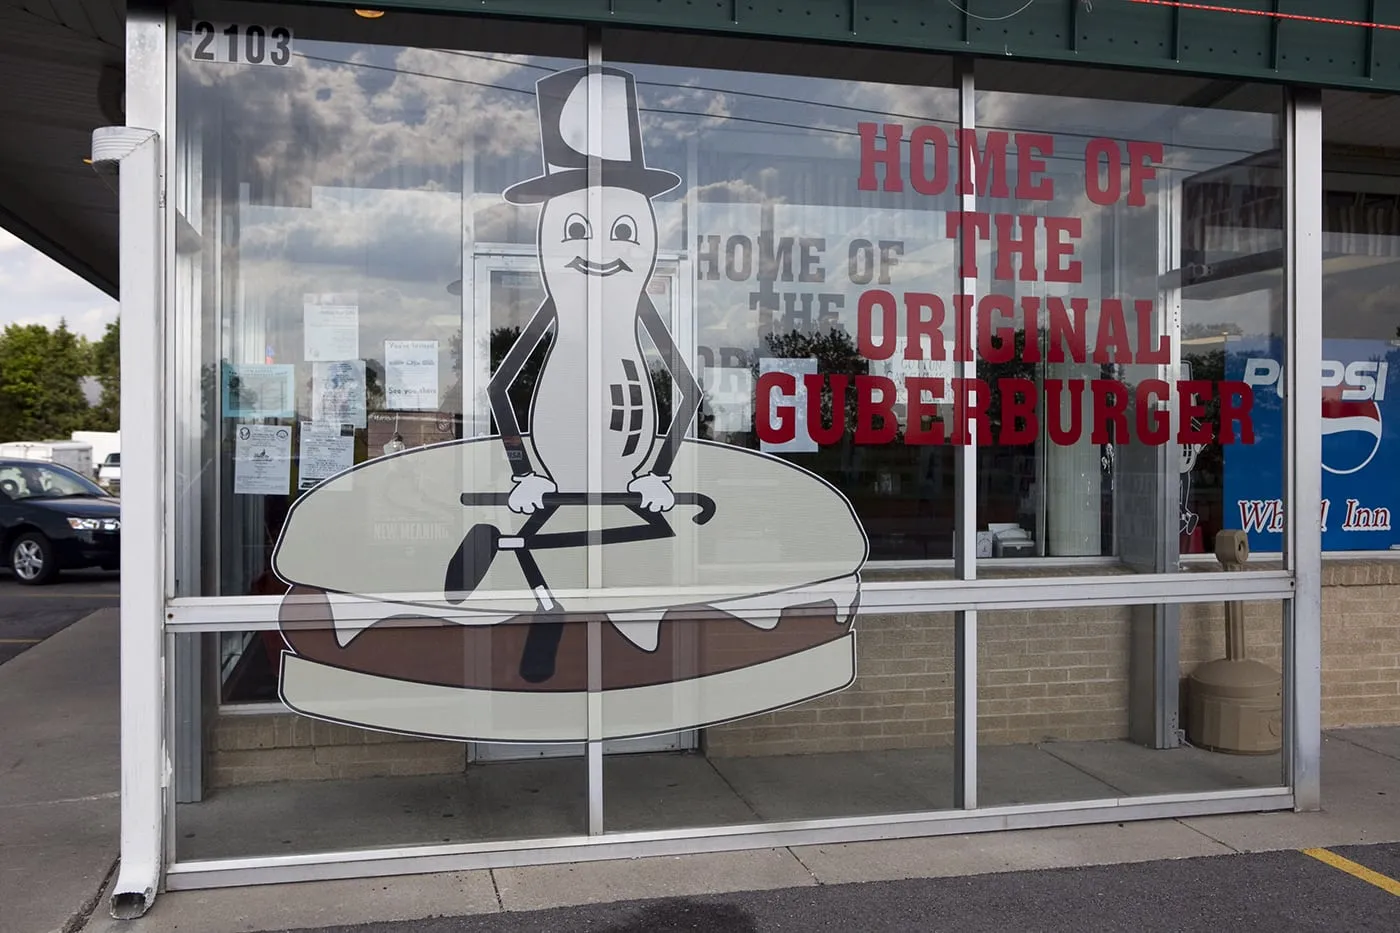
[1130, 232]
[1360, 326]
[536, 410]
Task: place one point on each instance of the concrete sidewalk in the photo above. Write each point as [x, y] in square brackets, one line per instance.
[59, 776]
[58, 835]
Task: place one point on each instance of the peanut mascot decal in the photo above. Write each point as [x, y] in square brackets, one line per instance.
[451, 590]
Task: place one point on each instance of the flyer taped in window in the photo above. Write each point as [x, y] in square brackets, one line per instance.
[262, 460]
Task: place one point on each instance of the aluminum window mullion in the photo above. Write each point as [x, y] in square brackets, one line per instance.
[594, 753]
[1302, 643]
[965, 530]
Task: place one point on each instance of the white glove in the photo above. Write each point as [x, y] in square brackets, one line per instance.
[529, 492]
[655, 492]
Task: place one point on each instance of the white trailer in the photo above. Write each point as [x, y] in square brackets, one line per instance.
[75, 455]
[103, 443]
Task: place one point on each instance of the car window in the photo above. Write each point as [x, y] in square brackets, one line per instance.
[37, 481]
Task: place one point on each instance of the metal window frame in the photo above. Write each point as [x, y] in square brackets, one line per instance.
[1302, 643]
[148, 716]
[404, 860]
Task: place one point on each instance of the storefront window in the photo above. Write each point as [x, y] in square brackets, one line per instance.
[547, 409]
[1061, 715]
[1360, 330]
[1127, 227]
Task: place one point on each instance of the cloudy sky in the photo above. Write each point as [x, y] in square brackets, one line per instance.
[36, 290]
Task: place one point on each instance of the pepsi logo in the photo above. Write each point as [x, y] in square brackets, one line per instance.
[1351, 432]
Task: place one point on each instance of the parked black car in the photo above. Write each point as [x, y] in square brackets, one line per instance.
[53, 519]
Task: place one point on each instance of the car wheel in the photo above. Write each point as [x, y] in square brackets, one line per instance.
[32, 559]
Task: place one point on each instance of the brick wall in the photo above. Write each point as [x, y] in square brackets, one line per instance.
[1053, 674]
[1043, 675]
[1062, 674]
[902, 697]
[1361, 644]
[253, 749]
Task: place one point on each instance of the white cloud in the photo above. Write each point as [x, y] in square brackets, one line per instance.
[36, 290]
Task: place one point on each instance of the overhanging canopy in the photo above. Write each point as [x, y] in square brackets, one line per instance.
[59, 61]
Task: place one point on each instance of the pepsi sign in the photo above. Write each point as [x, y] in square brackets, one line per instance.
[1352, 426]
[1360, 446]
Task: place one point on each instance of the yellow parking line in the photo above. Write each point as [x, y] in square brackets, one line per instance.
[1384, 882]
[20, 641]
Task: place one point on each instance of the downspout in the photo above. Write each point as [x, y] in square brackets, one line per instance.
[133, 152]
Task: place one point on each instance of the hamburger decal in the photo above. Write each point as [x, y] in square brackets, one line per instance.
[595, 549]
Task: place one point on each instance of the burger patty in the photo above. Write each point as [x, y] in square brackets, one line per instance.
[693, 642]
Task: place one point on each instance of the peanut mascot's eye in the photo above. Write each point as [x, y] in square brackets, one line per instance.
[576, 227]
[625, 229]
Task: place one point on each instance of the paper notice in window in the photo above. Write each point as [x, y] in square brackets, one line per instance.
[258, 390]
[802, 443]
[326, 449]
[411, 374]
[338, 393]
[330, 328]
[262, 460]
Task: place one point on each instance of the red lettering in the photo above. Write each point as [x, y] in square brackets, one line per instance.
[1057, 250]
[917, 327]
[1110, 409]
[1055, 410]
[970, 400]
[1028, 166]
[1145, 354]
[963, 343]
[1008, 245]
[978, 167]
[786, 427]
[1154, 426]
[1194, 393]
[995, 344]
[1017, 404]
[1030, 315]
[1102, 187]
[968, 227]
[1234, 412]
[870, 301]
[867, 408]
[919, 411]
[871, 157]
[1113, 334]
[1066, 333]
[1143, 159]
[919, 177]
[818, 432]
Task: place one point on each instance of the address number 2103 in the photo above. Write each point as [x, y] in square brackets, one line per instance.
[237, 44]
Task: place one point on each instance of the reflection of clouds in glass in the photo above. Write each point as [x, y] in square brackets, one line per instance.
[340, 115]
[498, 221]
[413, 235]
[731, 192]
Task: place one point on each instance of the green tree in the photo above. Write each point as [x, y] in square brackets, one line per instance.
[106, 365]
[40, 394]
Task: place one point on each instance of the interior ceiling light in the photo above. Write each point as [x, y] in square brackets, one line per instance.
[370, 14]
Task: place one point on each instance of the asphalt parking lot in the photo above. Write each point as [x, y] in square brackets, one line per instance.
[29, 614]
[1268, 892]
